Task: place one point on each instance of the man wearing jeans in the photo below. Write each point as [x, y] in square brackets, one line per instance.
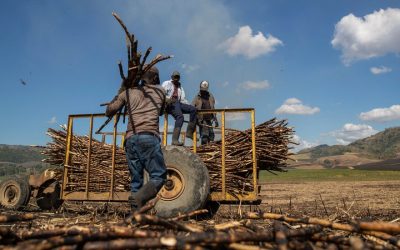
[177, 106]
[142, 144]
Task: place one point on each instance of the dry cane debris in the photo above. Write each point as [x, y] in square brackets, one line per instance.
[251, 231]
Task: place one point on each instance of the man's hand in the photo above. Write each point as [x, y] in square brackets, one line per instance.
[169, 101]
[216, 123]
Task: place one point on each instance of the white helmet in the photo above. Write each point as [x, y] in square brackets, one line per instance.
[204, 85]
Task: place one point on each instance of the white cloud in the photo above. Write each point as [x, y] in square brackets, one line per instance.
[382, 114]
[53, 120]
[225, 84]
[189, 68]
[244, 43]
[250, 85]
[380, 70]
[295, 106]
[370, 36]
[352, 132]
[302, 144]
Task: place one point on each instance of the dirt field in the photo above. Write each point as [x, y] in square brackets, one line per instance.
[375, 199]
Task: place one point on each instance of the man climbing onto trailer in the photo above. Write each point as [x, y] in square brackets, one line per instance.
[177, 105]
[205, 100]
[142, 144]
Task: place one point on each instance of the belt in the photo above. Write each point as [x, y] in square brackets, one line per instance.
[146, 133]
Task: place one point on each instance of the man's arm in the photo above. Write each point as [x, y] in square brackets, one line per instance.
[183, 97]
[116, 104]
[212, 99]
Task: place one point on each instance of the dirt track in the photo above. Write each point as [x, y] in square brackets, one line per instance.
[352, 199]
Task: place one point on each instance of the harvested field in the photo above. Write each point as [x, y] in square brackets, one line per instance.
[293, 215]
[375, 199]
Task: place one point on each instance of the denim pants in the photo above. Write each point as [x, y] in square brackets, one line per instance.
[144, 152]
[177, 110]
[206, 133]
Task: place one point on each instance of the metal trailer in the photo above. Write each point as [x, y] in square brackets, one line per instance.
[181, 164]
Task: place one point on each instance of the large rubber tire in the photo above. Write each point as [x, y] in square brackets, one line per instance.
[14, 193]
[48, 197]
[196, 182]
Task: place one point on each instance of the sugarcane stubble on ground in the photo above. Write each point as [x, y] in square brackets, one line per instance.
[250, 230]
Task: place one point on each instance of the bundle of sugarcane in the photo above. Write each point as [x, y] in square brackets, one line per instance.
[272, 150]
[272, 139]
[100, 163]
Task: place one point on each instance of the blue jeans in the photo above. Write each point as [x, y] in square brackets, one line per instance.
[206, 133]
[144, 152]
[177, 110]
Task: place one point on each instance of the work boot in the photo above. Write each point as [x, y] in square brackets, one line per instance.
[190, 129]
[132, 201]
[175, 137]
[146, 193]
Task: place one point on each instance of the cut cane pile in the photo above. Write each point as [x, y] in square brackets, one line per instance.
[272, 151]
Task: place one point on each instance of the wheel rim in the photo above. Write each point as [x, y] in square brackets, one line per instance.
[174, 185]
[11, 195]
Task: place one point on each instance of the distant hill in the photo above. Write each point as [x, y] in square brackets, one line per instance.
[383, 145]
[19, 153]
[18, 159]
[369, 151]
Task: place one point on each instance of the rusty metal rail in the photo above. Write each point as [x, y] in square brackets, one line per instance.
[118, 196]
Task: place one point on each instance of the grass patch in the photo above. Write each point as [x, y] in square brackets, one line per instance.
[310, 175]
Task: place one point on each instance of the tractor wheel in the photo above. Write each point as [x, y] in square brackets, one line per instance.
[188, 183]
[48, 196]
[14, 193]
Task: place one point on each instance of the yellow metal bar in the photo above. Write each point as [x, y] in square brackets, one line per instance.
[67, 153]
[165, 134]
[123, 196]
[96, 196]
[122, 141]
[111, 133]
[195, 141]
[200, 111]
[223, 152]
[89, 156]
[113, 158]
[253, 149]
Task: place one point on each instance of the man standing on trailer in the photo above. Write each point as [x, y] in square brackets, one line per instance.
[145, 103]
[177, 106]
[205, 100]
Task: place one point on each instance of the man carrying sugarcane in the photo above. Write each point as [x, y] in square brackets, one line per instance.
[142, 144]
[205, 100]
[177, 105]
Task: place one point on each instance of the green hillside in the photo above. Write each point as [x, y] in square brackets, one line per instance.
[383, 145]
[19, 153]
[20, 160]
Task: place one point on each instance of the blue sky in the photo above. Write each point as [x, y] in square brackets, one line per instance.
[330, 67]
